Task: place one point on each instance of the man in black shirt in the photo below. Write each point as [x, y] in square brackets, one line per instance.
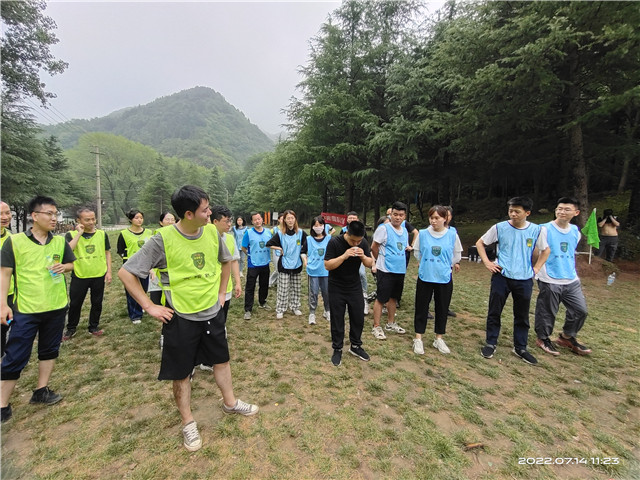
[344, 255]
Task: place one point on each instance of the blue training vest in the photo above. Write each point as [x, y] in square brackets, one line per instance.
[562, 260]
[515, 249]
[291, 247]
[315, 256]
[436, 256]
[256, 244]
[395, 259]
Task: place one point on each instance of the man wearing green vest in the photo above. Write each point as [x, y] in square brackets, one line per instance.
[5, 232]
[194, 272]
[91, 270]
[37, 260]
[221, 218]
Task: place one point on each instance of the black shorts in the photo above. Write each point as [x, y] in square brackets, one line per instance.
[187, 343]
[390, 285]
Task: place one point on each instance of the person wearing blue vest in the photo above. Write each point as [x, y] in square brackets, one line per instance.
[512, 273]
[390, 242]
[318, 275]
[289, 241]
[194, 266]
[239, 229]
[38, 261]
[438, 249]
[558, 282]
[254, 244]
[91, 271]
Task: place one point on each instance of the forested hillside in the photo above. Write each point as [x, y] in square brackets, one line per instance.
[196, 124]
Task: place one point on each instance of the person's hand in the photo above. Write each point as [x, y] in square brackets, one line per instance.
[57, 268]
[237, 290]
[80, 228]
[456, 268]
[160, 312]
[6, 314]
[492, 267]
[222, 298]
[107, 277]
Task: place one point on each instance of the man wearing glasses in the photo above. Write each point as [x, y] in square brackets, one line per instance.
[38, 261]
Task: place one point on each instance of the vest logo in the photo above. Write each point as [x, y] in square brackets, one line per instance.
[56, 258]
[436, 251]
[321, 252]
[529, 242]
[399, 246]
[262, 244]
[564, 246]
[198, 260]
[140, 243]
[298, 242]
[90, 249]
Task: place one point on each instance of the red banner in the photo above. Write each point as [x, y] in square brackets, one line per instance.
[334, 218]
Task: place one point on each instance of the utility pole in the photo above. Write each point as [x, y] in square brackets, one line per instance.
[99, 194]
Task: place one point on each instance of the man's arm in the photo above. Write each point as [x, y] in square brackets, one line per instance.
[133, 286]
[5, 311]
[107, 255]
[542, 258]
[235, 270]
[224, 281]
[492, 267]
[74, 241]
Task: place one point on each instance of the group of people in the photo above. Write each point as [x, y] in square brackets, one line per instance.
[193, 267]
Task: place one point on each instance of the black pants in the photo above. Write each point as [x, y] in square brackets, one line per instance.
[77, 292]
[5, 328]
[424, 292]
[339, 301]
[262, 275]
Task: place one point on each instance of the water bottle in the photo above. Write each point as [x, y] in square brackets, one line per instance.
[56, 277]
[611, 278]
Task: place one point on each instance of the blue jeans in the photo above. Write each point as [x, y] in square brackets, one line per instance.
[318, 284]
[520, 291]
[135, 310]
[48, 326]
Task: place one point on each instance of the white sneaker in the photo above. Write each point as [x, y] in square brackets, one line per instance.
[247, 315]
[441, 346]
[418, 347]
[378, 333]
[366, 307]
[192, 440]
[394, 327]
[297, 312]
[279, 315]
[327, 315]
[312, 319]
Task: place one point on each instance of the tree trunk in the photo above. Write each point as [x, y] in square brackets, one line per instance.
[633, 214]
[631, 133]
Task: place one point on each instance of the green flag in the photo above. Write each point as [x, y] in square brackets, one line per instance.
[590, 230]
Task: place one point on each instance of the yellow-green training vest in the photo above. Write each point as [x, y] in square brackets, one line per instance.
[134, 242]
[91, 259]
[231, 245]
[36, 291]
[193, 268]
[6, 235]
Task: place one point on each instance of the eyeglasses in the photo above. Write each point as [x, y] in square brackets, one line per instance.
[50, 214]
[568, 210]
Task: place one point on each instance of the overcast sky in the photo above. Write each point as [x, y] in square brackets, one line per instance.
[123, 54]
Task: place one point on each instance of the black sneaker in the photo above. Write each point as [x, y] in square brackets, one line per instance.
[547, 346]
[46, 396]
[68, 335]
[359, 352]
[573, 344]
[336, 358]
[451, 313]
[525, 356]
[429, 316]
[6, 413]
[488, 350]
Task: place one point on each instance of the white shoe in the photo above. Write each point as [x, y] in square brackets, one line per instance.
[441, 346]
[418, 347]
[378, 333]
[297, 312]
[247, 315]
[327, 315]
[206, 367]
[312, 319]
[192, 440]
[394, 327]
[279, 316]
[366, 307]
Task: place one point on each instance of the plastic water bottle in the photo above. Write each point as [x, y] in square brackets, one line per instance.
[611, 278]
[56, 277]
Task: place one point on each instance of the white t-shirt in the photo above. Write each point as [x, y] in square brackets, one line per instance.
[380, 237]
[542, 274]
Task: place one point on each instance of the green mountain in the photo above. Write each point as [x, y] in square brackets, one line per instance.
[196, 124]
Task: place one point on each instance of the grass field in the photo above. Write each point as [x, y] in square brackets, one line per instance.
[400, 416]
